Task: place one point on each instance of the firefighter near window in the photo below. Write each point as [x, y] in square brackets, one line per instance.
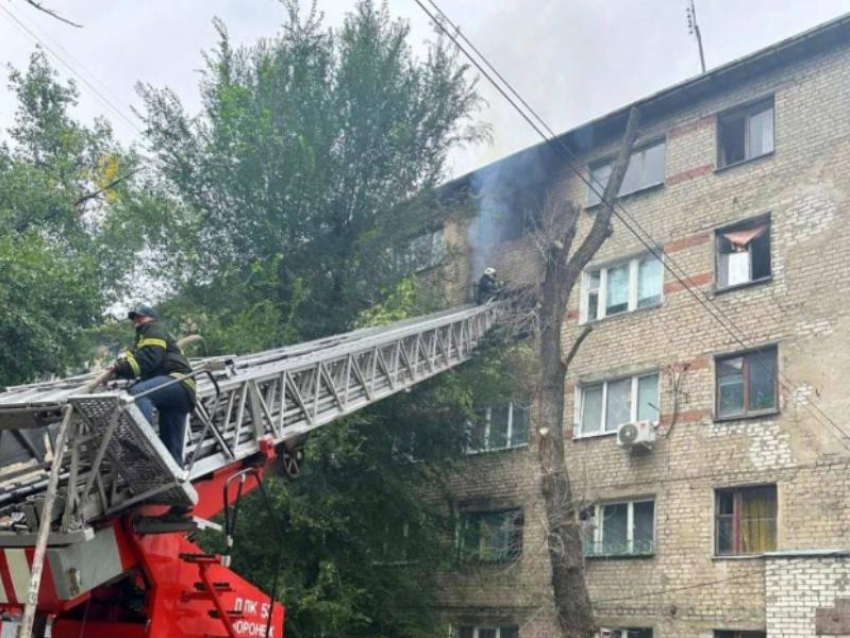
[158, 365]
[489, 287]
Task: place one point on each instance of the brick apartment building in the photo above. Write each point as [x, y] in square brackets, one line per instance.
[736, 523]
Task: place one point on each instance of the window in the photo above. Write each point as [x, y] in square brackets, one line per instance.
[395, 544]
[624, 633]
[745, 133]
[745, 521]
[620, 529]
[746, 384]
[500, 427]
[491, 536]
[739, 634]
[646, 168]
[422, 252]
[505, 631]
[743, 253]
[606, 406]
[622, 287]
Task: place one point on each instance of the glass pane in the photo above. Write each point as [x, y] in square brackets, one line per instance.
[619, 405]
[732, 131]
[519, 426]
[725, 536]
[470, 534]
[633, 179]
[762, 379]
[588, 526]
[486, 633]
[499, 427]
[730, 386]
[509, 632]
[614, 529]
[758, 520]
[598, 179]
[617, 296]
[593, 295]
[761, 132]
[477, 430]
[466, 632]
[725, 503]
[653, 164]
[644, 527]
[650, 277]
[647, 408]
[591, 410]
[639, 633]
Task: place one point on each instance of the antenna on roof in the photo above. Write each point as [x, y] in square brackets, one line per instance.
[693, 29]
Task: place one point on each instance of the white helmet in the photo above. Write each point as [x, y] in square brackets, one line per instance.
[490, 272]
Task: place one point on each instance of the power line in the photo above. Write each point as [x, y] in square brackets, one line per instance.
[557, 144]
[99, 96]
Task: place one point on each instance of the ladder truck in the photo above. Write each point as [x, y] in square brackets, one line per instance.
[79, 542]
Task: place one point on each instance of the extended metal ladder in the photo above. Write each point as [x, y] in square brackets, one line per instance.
[114, 459]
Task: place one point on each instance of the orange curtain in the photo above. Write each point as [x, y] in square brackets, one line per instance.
[740, 239]
[758, 521]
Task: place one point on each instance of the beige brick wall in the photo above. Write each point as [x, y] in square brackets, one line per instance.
[683, 590]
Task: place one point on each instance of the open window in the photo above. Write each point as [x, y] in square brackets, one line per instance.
[745, 520]
[743, 253]
[490, 536]
[745, 133]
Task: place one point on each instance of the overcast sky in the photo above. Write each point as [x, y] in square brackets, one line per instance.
[573, 60]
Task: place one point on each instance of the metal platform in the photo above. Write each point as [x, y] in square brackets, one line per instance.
[115, 459]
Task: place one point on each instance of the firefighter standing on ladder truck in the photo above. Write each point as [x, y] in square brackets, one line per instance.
[158, 362]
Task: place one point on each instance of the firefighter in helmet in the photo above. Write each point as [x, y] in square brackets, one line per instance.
[488, 286]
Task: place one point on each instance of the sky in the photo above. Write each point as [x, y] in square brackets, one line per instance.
[572, 60]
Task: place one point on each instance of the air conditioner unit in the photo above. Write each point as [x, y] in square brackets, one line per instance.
[637, 435]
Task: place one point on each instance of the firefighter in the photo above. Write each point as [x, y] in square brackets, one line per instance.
[156, 360]
[488, 286]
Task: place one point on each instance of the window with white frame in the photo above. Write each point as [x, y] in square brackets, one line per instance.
[622, 287]
[500, 427]
[646, 169]
[619, 529]
[605, 406]
[487, 631]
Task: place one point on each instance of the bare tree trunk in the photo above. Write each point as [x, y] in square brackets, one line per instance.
[572, 602]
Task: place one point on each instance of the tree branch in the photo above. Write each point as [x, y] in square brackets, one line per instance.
[109, 186]
[51, 13]
[577, 344]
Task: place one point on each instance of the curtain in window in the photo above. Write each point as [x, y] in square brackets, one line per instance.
[758, 521]
[650, 276]
[617, 296]
[761, 132]
[591, 411]
[619, 405]
[740, 239]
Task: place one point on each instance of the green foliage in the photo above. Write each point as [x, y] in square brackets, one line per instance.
[311, 149]
[55, 277]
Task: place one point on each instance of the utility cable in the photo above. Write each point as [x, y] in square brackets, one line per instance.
[557, 145]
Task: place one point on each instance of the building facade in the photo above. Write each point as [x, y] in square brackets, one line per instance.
[725, 512]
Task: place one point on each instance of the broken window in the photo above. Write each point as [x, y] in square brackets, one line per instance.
[421, 252]
[606, 406]
[504, 631]
[743, 253]
[745, 520]
[619, 529]
[746, 384]
[646, 169]
[491, 536]
[622, 287]
[745, 133]
[500, 427]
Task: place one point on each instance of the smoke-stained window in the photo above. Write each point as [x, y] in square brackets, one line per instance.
[421, 252]
[490, 536]
[646, 169]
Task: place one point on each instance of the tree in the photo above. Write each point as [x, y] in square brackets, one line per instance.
[284, 204]
[309, 147]
[562, 270]
[55, 276]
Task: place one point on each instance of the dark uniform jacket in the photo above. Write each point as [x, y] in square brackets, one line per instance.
[488, 288]
[155, 353]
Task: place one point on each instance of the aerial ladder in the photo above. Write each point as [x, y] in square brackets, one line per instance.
[78, 507]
